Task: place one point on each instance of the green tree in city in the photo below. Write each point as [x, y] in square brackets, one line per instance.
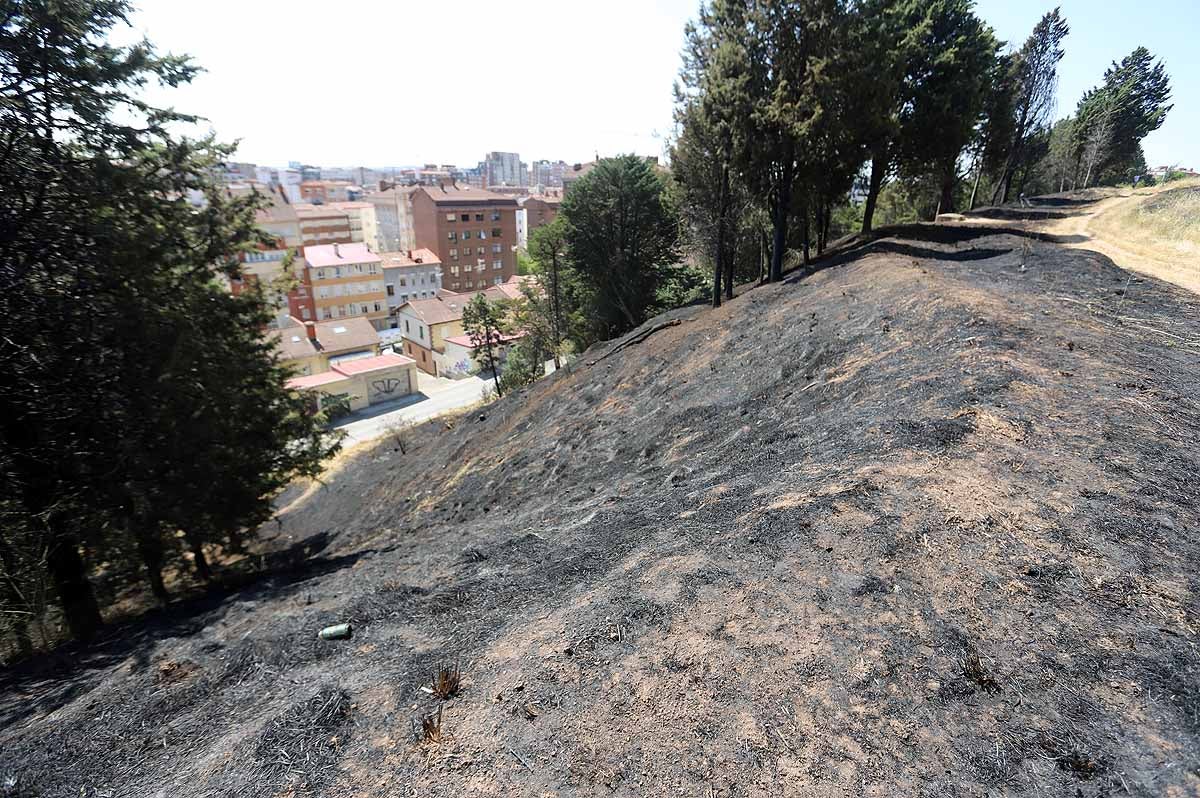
[485, 322]
[622, 235]
[547, 295]
[137, 399]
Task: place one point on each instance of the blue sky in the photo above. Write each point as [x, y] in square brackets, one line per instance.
[389, 82]
[1103, 32]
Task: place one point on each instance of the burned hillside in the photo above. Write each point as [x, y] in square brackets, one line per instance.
[921, 523]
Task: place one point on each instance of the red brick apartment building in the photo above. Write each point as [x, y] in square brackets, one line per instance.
[473, 232]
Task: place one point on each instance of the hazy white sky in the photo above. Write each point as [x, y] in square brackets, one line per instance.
[379, 83]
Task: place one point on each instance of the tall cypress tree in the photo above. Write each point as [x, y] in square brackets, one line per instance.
[1034, 84]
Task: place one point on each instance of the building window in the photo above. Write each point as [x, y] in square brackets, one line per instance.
[454, 254]
[391, 290]
[363, 309]
[495, 216]
[454, 270]
[482, 234]
[406, 326]
[497, 232]
[497, 249]
[304, 314]
[479, 217]
[453, 236]
[378, 307]
[497, 280]
[497, 264]
[457, 286]
[466, 217]
[451, 217]
[421, 333]
[466, 234]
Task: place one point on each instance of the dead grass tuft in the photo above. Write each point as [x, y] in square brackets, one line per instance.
[447, 681]
[430, 729]
[974, 670]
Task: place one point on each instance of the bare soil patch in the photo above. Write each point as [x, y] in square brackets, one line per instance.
[921, 523]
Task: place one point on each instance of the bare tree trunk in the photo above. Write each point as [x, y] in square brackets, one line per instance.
[150, 550]
[556, 312]
[75, 595]
[198, 559]
[946, 201]
[878, 169]
[19, 608]
[779, 221]
[719, 260]
[975, 186]
[825, 228]
[762, 256]
[805, 230]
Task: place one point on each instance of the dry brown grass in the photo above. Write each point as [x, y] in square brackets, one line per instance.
[447, 681]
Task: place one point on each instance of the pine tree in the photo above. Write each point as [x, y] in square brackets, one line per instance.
[484, 322]
[1034, 86]
[131, 384]
[1112, 119]
[622, 235]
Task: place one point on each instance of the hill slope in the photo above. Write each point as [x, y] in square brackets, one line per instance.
[922, 523]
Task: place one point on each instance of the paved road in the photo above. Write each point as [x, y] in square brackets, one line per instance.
[435, 396]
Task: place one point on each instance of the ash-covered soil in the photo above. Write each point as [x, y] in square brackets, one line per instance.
[924, 523]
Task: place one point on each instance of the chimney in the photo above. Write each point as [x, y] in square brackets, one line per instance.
[337, 252]
[310, 329]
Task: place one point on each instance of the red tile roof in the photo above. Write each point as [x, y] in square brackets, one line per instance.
[503, 338]
[448, 306]
[313, 380]
[464, 195]
[387, 360]
[343, 335]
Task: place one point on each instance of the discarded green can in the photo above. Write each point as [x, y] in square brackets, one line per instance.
[341, 631]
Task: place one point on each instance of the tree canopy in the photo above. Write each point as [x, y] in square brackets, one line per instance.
[139, 403]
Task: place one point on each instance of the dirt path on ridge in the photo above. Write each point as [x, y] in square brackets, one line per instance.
[1090, 220]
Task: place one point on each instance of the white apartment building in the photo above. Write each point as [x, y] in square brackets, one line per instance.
[394, 230]
[410, 275]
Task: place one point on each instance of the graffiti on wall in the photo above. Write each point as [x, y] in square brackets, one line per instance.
[387, 386]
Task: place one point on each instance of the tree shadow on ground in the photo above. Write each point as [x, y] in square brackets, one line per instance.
[895, 240]
[1021, 214]
[62, 674]
[1064, 202]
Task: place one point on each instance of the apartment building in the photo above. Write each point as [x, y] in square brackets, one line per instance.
[363, 223]
[504, 169]
[264, 265]
[323, 224]
[415, 274]
[393, 218]
[535, 212]
[341, 281]
[472, 231]
[425, 324]
[321, 191]
[547, 173]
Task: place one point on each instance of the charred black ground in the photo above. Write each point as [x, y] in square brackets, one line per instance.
[922, 523]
